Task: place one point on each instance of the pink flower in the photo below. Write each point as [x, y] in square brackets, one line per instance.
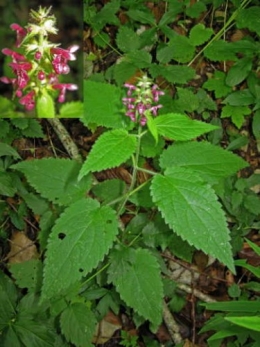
[7, 80]
[28, 100]
[16, 56]
[21, 66]
[41, 75]
[130, 87]
[20, 33]
[63, 87]
[66, 54]
[60, 58]
[155, 109]
[20, 69]
[37, 55]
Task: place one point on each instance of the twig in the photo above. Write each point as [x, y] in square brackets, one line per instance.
[65, 139]
[195, 292]
[171, 324]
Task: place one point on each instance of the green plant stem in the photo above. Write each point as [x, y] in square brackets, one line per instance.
[95, 274]
[135, 160]
[147, 171]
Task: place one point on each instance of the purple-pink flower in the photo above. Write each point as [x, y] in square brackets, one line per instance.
[60, 58]
[16, 56]
[62, 88]
[28, 100]
[20, 33]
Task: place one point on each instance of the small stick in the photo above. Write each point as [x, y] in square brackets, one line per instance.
[195, 292]
[171, 324]
[65, 139]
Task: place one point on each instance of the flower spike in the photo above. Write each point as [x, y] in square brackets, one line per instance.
[141, 99]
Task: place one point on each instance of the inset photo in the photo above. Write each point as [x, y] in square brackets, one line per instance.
[41, 59]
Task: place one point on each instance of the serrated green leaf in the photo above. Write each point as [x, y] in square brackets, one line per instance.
[195, 9]
[5, 149]
[7, 187]
[34, 129]
[252, 204]
[110, 150]
[78, 324]
[27, 274]
[145, 17]
[169, 15]
[142, 197]
[102, 102]
[148, 147]
[187, 101]
[29, 127]
[109, 190]
[139, 58]
[147, 38]
[199, 34]
[10, 338]
[173, 73]
[192, 210]
[245, 46]
[183, 50]
[102, 40]
[240, 98]
[134, 271]
[106, 15]
[220, 51]
[237, 114]
[34, 333]
[72, 109]
[165, 54]
[4, 128]
[127, 39]
[239, 72]
[217, 84]
[35, 202]
[249, 18]
[21, 123]
[55, 179]
[8, 298]
[205, 102]
[78, 242]
[122, 72]
[209, 161]
[181, 249]
[180, 127]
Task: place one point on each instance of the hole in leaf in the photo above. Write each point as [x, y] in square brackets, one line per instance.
[109, 221]
[81, 270]
[61, 236]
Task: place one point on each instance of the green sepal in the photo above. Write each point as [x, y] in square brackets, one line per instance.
[45, 105]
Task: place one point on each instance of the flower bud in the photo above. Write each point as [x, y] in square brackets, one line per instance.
[38, 55]
[41, 75]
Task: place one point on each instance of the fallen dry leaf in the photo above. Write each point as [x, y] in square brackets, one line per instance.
[21, 248]
[106, 328]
